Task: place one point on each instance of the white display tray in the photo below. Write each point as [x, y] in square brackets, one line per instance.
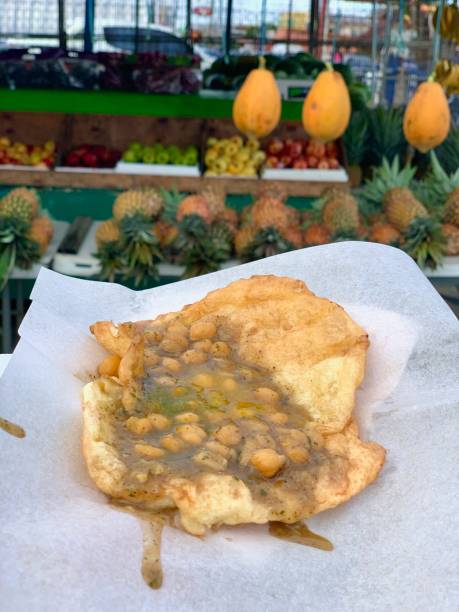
[157, 169]
[311, 175]
[83, 170]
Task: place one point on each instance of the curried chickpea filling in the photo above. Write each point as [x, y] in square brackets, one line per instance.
[196, 408]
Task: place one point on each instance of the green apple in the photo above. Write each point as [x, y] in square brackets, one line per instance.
[130, 156]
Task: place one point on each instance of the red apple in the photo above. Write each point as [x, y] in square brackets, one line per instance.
[295, 149]
[312, 161]
[271, 161]
[333, 163]
[72, 159]
[332, 149]
[316, 148]
[300, 164]
[89, 160]
[275, 146]
[323, 165]
[286, 160]
[99, 151]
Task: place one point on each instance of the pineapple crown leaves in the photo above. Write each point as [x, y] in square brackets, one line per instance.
[267, 242]
[136, 228]
[425, 242]
[12, 228]
[203, 247]
[171, 201]
[387, 176]
[345, 234]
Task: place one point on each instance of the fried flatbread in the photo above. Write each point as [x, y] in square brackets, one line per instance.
[236, 409]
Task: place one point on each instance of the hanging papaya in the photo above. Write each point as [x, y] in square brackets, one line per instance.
[427, 117]
[327, 107]
[257, 107]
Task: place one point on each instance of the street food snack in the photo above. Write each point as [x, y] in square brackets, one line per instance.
[236, 409]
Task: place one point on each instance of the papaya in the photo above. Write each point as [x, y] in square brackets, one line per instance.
[427, 117]
[257, 106]
[327, 107]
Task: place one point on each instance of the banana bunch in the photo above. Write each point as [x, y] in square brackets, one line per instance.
[447, 74]
[449, 22]
[233, 156]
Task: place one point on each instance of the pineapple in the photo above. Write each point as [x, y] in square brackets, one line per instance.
[268, 212]
[215, 199]
[194, 205]
[441, 191]
[29, 195]
[267, 242]
[165, 232]
[202, 248]
[244, 237]
[402, 207]
[294, 235]
[15, 207]
[385, 233]
[451, 233]
[340, 211]
[316, 234]
[171, 201]
[41, 231]
[451, 214]
[425, 242]
[275, 191]
[139, 248]
[108, 231]
[145, 202]
[293, 214]
[230, 218]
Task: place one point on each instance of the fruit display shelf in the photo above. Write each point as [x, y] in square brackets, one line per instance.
[85, 264]
[117, 180]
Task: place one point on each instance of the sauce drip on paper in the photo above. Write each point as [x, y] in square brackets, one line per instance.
[12, 428]
[299, 534]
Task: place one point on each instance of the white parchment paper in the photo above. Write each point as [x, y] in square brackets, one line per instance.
[396, 544]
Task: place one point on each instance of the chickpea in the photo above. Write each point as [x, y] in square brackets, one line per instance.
[150, 357]
[216, 399]
[203, 380]
[174, 344]
[172, 443]
[220, 349]
[266, 395]
[203, 345]
[228, 434]
[172, 365]
[109, 366]
[152, 452]
[139, 426]
[228, 384]
[267, 461]
[210, 460]
[191, 433]
[192, 404]
[159, 421]
[214, 416]
[177, 329]
[165, 381]
[179, 391]
[203, 330]
[298, 454]
[187, 417]
[221, 449]
[279, 418]
[194, 357]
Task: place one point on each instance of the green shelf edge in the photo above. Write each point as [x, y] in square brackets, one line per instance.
[125, 103]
